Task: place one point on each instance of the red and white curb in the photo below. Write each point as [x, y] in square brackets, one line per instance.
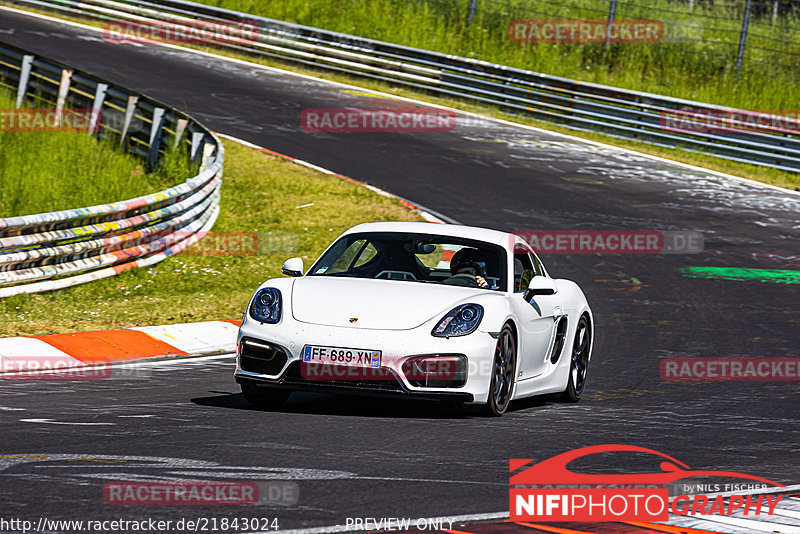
[103, 347]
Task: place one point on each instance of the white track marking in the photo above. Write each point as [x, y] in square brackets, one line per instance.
[27, 348]
[195, 338]
[417, 101]
[177, 361]
[51, 422]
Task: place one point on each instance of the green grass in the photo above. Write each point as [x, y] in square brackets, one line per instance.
[49, 171]
[260, 193]
[701, 68]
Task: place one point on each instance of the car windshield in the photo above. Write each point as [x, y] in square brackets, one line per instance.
[417, 258]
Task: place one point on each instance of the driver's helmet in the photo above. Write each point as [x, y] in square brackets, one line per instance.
[468, 257]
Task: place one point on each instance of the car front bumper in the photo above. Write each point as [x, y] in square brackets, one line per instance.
[287, 339]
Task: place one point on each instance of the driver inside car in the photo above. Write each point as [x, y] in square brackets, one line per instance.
[468, 269]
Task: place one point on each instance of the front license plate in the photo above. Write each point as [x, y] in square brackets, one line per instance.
[342, 356]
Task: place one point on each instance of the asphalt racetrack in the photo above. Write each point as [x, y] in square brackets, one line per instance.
[355, 457]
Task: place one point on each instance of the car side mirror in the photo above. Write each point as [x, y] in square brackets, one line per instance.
[540, 285]
[293, 267]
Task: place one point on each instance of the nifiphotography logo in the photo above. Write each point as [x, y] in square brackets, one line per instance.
[548, 491]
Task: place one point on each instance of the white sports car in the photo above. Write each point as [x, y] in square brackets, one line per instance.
[419, 310]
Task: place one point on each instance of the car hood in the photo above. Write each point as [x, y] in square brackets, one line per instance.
[375, 304]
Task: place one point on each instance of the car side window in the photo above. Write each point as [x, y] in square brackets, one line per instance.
[523, 269]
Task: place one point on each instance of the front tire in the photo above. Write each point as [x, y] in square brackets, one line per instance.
[504, 369]
[264, 398]
[579, 364]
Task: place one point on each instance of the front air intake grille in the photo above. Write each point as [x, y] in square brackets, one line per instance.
[261, 357]
[342, 376]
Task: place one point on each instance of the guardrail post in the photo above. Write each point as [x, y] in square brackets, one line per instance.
[99, 99]
[473, 7]
[180, 129]
[155, 137]
[197, 144]
[129, 111]
[24, 76]
[612, 14]
[743, 36]
[63, 91]
[208, 154]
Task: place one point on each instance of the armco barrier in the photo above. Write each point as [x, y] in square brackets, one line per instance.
[64, 248]
[584, 106]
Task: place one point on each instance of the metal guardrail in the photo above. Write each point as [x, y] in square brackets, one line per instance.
[65, 248]
[622, 113]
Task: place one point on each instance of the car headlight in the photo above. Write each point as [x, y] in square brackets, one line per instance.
[459, 321]
[266, 306]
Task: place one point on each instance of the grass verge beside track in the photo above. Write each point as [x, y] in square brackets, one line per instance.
[260, 193]
[42, 171]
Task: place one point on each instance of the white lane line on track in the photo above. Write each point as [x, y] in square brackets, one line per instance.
[344, 528]
[178, 361]
[416, 101]
[51, 422]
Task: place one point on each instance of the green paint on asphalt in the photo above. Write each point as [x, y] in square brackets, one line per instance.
[740, 274]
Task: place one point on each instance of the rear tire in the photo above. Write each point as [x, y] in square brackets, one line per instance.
[504, 370]
[579, 363]
[265, 398]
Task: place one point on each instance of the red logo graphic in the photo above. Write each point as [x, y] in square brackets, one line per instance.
[537, 492]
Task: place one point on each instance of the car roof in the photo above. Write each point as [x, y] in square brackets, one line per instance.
[450, 230]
